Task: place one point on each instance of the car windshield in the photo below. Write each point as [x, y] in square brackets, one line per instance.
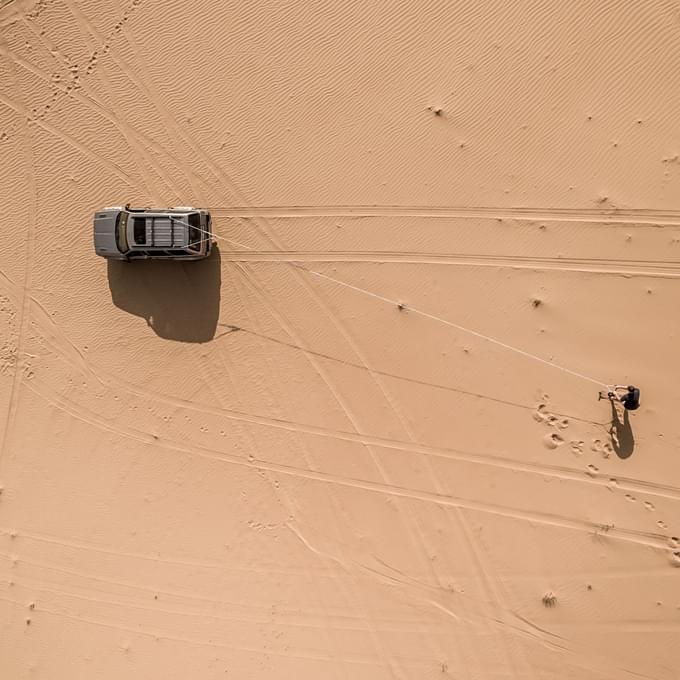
[139, 230]
[121, 236]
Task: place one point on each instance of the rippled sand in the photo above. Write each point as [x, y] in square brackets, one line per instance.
[363, 440]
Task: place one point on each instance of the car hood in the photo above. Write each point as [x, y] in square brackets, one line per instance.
[105, 233]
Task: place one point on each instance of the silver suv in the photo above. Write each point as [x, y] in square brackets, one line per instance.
[125, 233]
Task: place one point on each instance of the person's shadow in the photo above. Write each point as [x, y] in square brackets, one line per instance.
[179, 300]
[621, 433]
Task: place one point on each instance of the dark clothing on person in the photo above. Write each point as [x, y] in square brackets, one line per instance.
[631, 399]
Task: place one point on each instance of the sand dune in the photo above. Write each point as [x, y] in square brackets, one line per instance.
[363, 439]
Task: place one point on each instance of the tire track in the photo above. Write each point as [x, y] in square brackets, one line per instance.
[358, 604]
[396, 376]
[104, 551]
[498, 608]
[13, 404]
[508, 621]
[591, 654]
[90, 101]
[642, 216]
[86, 26]
[152, 95]
[392, 404]
[562, 472]
[156, 100]
[70, 141]
[279, 493]
[73, 356]
[96, 43]
[17, 534]
[336, 394]
[522, 628]
[302, 280]
[159, 634]
[313, 621]
[199, 600]
[77, 360]
[323, 375]
[649, 539]
[657, 268]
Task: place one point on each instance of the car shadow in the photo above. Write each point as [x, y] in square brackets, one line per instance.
[621, 433]
[179, 300]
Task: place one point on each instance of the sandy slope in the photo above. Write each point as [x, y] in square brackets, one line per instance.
[240, 469]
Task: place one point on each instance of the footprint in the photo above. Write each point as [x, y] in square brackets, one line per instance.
[630, 498]
[564, 424]
[540, 414]
[612, 484]
[577, 447]
[649, 506]
[592, 470]
[603, 448]
[662, 525]
[552, 441]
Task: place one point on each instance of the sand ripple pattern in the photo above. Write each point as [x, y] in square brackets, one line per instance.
[238, 469]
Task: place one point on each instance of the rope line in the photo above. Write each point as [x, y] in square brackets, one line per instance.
[420, 312]
[460, 328]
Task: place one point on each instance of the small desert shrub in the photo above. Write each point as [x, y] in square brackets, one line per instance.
[549, 600]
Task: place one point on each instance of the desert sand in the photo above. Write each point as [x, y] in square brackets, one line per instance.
[242, 469]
